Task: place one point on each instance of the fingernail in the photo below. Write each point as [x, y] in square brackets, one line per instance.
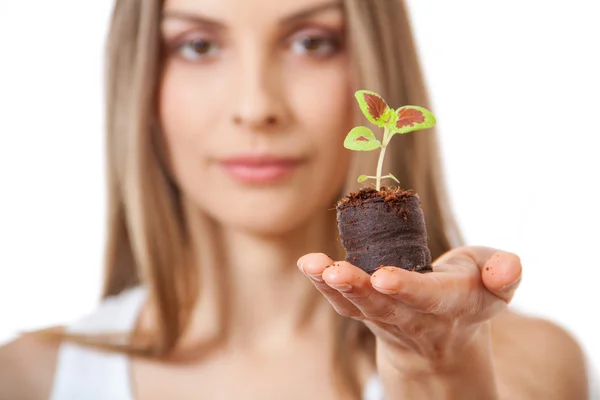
[300, 263]
[343, 287]
[316, 278]
[511, 285]
[384, 291]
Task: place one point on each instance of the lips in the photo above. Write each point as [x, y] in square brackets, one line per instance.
[260, 168]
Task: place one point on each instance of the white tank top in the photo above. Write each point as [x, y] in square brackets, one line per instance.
[86, 374]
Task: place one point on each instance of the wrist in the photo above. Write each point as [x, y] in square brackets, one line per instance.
[434, 358]
[464, 372]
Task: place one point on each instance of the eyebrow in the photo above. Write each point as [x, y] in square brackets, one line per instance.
[299, 15]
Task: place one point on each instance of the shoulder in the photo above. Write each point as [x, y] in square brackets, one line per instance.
[539, 357]
[27, 365]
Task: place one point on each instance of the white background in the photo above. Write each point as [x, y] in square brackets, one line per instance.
[517, 95]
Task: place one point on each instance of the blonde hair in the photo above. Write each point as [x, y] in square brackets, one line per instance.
[148, 233]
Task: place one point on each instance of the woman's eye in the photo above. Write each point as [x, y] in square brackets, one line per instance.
[320, 46]
[198, 49]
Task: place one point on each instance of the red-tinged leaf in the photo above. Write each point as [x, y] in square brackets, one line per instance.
[361, 138]
[409, 117]
[375, 108]
[413, 118]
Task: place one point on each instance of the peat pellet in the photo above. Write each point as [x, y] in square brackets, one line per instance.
[383, 228]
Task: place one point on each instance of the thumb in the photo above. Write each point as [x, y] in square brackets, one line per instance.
[501, 274]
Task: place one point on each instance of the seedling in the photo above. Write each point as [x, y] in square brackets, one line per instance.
[384, 226]
[401, 121]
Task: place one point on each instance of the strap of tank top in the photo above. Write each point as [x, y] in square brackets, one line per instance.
[84, 373]
[373, 389]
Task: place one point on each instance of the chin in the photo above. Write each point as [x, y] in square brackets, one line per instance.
[275, 213]
[275, 226]
[268, 211]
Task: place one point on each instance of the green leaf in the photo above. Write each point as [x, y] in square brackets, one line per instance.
[362, 178]
[413, 118]
[375, 108]
[392, 177]
[361, 138]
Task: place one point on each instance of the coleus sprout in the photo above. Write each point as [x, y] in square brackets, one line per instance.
[403, 120]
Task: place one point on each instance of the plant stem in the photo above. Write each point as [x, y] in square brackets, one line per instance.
[381, 156]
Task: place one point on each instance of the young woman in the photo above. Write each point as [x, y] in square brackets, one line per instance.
[226, 120]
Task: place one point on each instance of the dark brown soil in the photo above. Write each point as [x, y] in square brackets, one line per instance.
[384, 228]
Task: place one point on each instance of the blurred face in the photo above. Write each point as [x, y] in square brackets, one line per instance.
[255, 103]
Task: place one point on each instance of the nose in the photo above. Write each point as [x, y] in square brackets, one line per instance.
[258, 96]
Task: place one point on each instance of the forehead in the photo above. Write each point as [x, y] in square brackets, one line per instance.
[253, 11]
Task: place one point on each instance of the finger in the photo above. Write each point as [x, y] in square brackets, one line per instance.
[500, 270]
[313, 265]
[501, 275]
[467, 256]
[355, 285]
[434, 293]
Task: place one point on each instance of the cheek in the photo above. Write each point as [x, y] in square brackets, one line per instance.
[325, 106]
[187, 117]
[181, 97]
[324, 96]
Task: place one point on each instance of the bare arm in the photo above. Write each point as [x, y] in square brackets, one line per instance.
[529, 359]
[432, 329]
[536, 359]
[469, 376]
[27, 369]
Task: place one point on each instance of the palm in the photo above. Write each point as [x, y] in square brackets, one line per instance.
[422, 314]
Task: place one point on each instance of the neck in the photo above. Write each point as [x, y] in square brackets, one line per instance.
[267, 299]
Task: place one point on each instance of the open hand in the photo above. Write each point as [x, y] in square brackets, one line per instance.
[421, 319]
